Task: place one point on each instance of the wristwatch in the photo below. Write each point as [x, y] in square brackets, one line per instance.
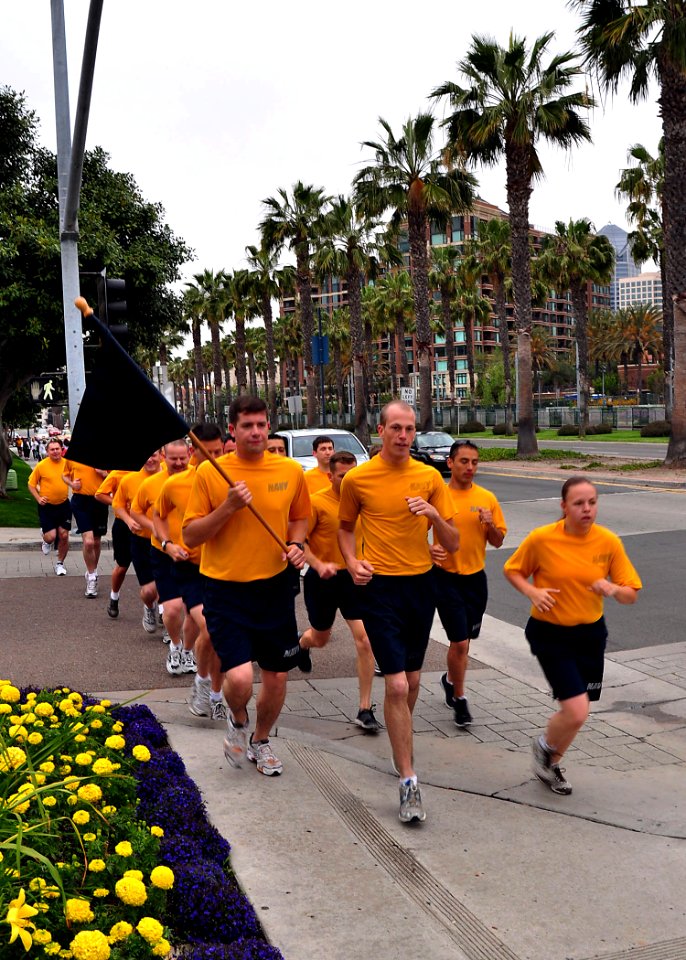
[295, 543]
[164, 545]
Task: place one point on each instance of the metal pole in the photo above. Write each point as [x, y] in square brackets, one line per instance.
[321, 366]
[76, 377]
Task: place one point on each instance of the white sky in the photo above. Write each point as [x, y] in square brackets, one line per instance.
[213, 105]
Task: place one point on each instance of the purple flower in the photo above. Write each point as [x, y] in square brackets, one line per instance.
[242, 949]
[205, 904]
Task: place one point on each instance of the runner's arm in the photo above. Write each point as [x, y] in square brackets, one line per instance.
[202, 529]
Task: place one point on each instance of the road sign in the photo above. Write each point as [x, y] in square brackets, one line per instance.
[407, 395]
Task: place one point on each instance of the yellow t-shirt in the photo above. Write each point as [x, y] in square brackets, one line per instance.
[46, 476]
[316, 481]
[171, 505]
[146, 497]
[471, 557]
[111, 482]
[322, 534]
[242, 550]
[570, 564]
[394, 540]
[89, 477]
[126, 493]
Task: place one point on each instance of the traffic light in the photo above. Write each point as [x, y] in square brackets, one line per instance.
[112, 306]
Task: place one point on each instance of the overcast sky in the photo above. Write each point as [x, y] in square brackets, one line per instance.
[213, 105]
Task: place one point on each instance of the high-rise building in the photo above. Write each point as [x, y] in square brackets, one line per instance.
[624, 262]
[644, 288]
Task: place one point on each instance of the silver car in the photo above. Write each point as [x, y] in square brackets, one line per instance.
[299, 444]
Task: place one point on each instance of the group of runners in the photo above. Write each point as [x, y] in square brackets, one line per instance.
[386, 543]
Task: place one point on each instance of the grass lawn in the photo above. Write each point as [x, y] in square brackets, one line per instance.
[617, 436]
[19, 510]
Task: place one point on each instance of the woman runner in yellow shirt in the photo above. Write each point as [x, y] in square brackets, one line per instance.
[574, 564]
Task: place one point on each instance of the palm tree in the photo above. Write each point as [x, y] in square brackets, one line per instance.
[351, 248]
[193, 310]
[212, 288]
[240, 302]
[408, 178]
[228, 362]
[636, 333]
[255, 348]
[442, 277]
[642, 40]
[288, 342]
[570, 260]
[395, 315]
[338, 326]
[512, 100]
[268, 283]
[471, 306]
[495, 253]
[297, 221]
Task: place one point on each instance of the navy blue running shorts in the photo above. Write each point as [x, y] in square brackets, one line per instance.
[121, 543]
[324, 597]
[253, 621]
[90, 514]
[572, 658]
[164, 573]
[461, 603]
[398, 613]
[52, 516]
[140, 558]
[190, 582]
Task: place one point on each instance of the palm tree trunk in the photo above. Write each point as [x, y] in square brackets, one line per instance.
[357, 346]
[304, 284]
[338, 368]
[270, 354]
[676, 451]
[449, 338]
[217, 372]
[392, 361]
[518, 194]
[468, 320]
[498, 283]
[199, 373]
[369, 355]
[581, 317]
[402, 352]
[239, 344]
[419, 272]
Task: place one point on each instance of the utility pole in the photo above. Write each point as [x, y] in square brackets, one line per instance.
[69, 167]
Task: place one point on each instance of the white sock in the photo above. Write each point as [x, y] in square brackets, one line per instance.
[199, 679]
[177, 648]
[215, 697]
[412, 779]
[114, 595]
[160, 609]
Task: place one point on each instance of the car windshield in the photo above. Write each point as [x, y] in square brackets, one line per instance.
[434, 440]
[302, 446]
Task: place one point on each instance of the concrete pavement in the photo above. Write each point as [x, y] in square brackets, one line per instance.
[502, 868]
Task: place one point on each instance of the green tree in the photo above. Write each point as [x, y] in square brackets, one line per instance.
[472, 307]
[214, 300]
[495, 253]
[409, 178]
[571, 259]
[510, 101]
[241, 302]
[442, 277]
[297, 221]
[338, 330]
[636, 332]
[624, 38]
[395, 316]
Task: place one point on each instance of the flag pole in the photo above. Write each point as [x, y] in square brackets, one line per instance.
[86, 311]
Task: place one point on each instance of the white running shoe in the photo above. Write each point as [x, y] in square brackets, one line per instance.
[267, 762]
[235, 742]
[60, 569]
[91, 585]
[199, 700]
[188, 664]
[45, 548]
[218, 708]
[149, 619]
[174, 661]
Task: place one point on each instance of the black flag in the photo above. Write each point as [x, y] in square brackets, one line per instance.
[123, 418]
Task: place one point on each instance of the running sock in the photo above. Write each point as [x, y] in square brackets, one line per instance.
[177, 648]
[215, 697]
[199, 679]
[546, 746]
[408, 780]
[114, 594]
[160, 609]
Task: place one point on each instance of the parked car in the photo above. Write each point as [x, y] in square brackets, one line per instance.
[299, 444]
[433, 448]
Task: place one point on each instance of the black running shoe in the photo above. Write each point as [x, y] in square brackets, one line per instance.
[448, 689]
[367, 720]
[304, 660]
[113, 609]
[462, 715]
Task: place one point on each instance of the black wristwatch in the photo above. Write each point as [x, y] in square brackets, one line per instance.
[295, 543]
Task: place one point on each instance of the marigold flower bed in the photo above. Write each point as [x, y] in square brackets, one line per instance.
[106, 852]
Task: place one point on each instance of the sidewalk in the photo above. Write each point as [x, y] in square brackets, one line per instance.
[502, 868]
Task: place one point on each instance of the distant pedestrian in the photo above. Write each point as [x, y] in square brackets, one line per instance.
[574, 564]
[47, 487]
[318, 477]
[26, 449]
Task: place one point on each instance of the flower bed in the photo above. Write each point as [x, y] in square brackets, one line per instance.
[106, 852]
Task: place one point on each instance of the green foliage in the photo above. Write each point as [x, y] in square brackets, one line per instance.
[659, 428]
[18, 508]
[637, 465]
[473, 426]
[499, 429]
[568, 430]
[490, 385]
[599, 429]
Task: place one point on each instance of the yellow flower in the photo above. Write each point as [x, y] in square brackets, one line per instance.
[64, 770]
[150, 929]
[10, 694]
[107, 810]
[38, 883]
[120, 931]
[52, 949]
[17, 804]
[51, 893]
[101, 892]
[81, 817]
[11, 758]
[42, 937]
[83, 759]
[76, 697]
[138, 874]
[102, 767]
[141, 752]
[43, 710]
[90, 945]
[96, 724]
[5, 708]
[162, 877]
[18, 730]
[131, 891]
[79, 738]
[115, 742]
[72, 800]
[162, 948]
[39, 778]
[71, 783]
[105, 703]
[96, 866]
[49, 801]
[79, 911]
[124, 849]
[97, 708]
[89, 837]
[47, 767]
[90, 792]
[117, 727]
[18, 918]
[157, 831]
[35, 738]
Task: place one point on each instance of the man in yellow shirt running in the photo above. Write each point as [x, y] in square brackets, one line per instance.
[396, 498]
[460, 578]
[90, 516]
[248, 598]
[318, 477]
[48, 489]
